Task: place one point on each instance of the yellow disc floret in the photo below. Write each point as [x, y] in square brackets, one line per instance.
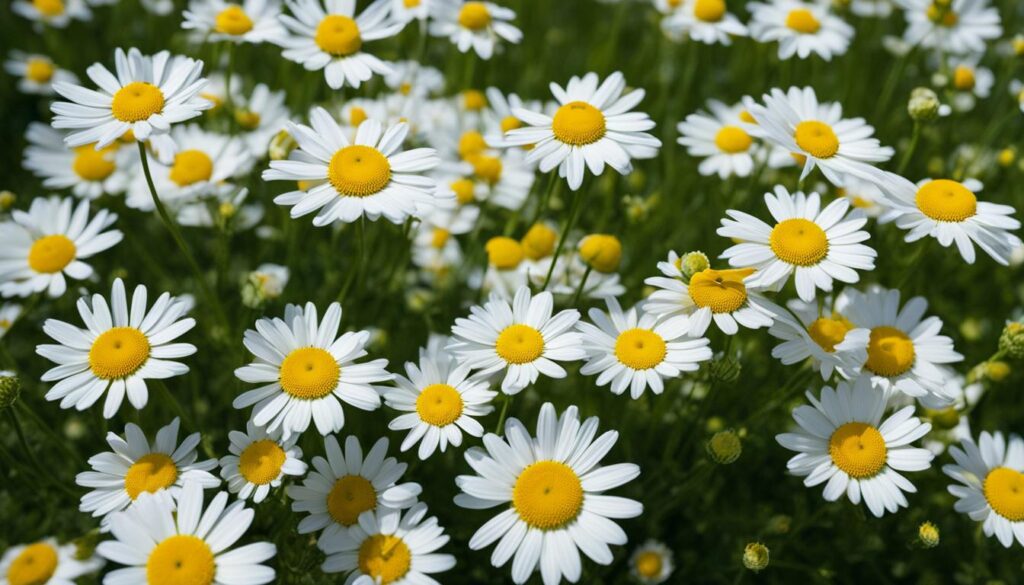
[504, 253]
[602, 252]
[827, 333]
[1004, 491]
[547, 495]
[474, 16]
[338, 35]
[471, 143]
[722, 291]
[33, 566]
[359, 171]
[137, 101]
[519, 344]
[858, 449]
[733, 139]
[384, 558]
[487, 168]
[640, 349]
[152, 472]
[260, 463]
[50, 254]
[648, 564]
[816, 138]
[350, 496]
[539, 241]
[464, 190]
[49, 8]
[799, 241]
[39, 70]
[439, 405]
[802, 21]
[709, 10]
[182, 559]
[233, 21]
[309, 373]
[94, 165]
[578, 123]
[963, 78]
[946, 200]
[118, 353]
[191, 167]
[890, 352]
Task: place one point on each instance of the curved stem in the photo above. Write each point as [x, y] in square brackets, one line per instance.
[569, 222]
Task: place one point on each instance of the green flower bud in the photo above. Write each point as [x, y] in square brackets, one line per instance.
[693, 262]
[1011, 342]
[10, 389]
[725, 370]
[923, 105]
[7, 199]
[928, 535]
[724, 447]
[755, 557]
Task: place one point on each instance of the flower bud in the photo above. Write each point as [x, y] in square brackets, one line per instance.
[539, 241]
[725, 370]
[10, 389]
[928, 535]
[7, 199]
[602, 252]
[1011, 342]
[504, 253]
[755, 557]
[944, 419]
[693, 262]
[997, 371]
[281, 145]
[85, 545]
[923, 105]
[724, 447]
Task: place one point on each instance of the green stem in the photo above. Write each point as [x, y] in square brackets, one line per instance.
[175, 405]
[36, 465]
[569, 222]
[915, 137]
[504, 412]
[228, 101]
[579, 289]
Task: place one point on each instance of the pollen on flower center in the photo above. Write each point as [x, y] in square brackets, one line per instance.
[182, 559]
[49, 7]
[474, 16]
[858, 449]
[50, 254]
[118, 353]
[350, 496]
[93, 165]
[890, 352]
[640, 349]
[39, 70]
[509, 123]
[799, 241]
[439, 405]
[471, 143]
[519, 344]
[261, 462]
[827, 333]
[149, 474]
[722, 291]
[578, 124]
[33, 566]
[338, 35]
[233, 21]
[649, 565]
[709, 10]
[547, 495]
[946, 200]
[1004, 491]
[384, 558]
[802, 21]
[309, 373]
[733, 139]
[137, 101]
[816, 138]
[191, 167]
[487, 168]
[359, 171]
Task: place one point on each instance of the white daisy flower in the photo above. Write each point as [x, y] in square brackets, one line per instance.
[522, 338]
[904, 352]
[593, 126]
[307, 371]
[959, 26]
[55, 13]
[135, 467]
[634, 350]
[721, 139]
[435, 246]
[500, 119]
[843, 440]
[801, 28]
[970, 80]
[706, 21]
[990, 475]
[117, 351]
[41, 246]
[261, 114]
[411, 78]
[651, 563]
[469, 24]
[36, 73]
[9, 314]
[866, 197]
[389, 546]
[327, 34]
[259, 462]
[816, 245]
[550, 488]
[89, 172]
[442, 402]
[345, 485]
[950, 212]
[187, 544]
[146, 96]
[245, 21]
[368, 176]
[502, 179]
[45, 562]
[809, 333]
[508, 268]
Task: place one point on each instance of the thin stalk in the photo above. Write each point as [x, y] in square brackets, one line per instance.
[569, 222]
[504, 412]
[914, 139]
[583, 283]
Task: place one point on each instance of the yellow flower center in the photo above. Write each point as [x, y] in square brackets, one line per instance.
[722, 291]
[578, 123]
[49, 7]
[50, 254]
[539, 241]
[39, 70]
[191, 167]
[474, 100]
[799, 241]
[118, 353]
[261, 462]
[1004, 490]
[357, 116]
[858, 449]
[827, 333]
[309, 373]
[509, 123]
[338, 35]
[439, 405]
[963, 78]
[487, 168]
[137, 101]
[547, 495]
[817, 139]
[733, 139]
[463, 190]
[709, 10]
[233, 21]
[640, 349]
[601, 251]
[504, 253]
[747, 117]
[649, 565]
[93, 165]
[471, 143]
[152, 472]
[384, 558]
[890, 352]
[410, 3]
[181, 560]
[942, 15]
[802, 21]
[359, 171]
[946, 200]
[33, 566]
[474, 16]
[439, 237]
[247, 119]
[351, 496]
[519, 344]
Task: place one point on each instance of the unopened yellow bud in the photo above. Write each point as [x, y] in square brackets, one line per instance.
[602, 252]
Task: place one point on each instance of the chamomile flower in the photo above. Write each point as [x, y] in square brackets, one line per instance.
[55, 13]
[36, 73]
[721, 139]
[521, 338]
[346, 485]
[808, 333]
[593, 126]
[259, 462]
[328, 35]
[147, 95]
[306, 371]
[957, 26]
[818, 133]
[989, 475]
[45, 562]
[368, 176]
[117, 351]
[801, 28]
[651, 563]
[500, 106]
[970, 81]
[441, 400]
[9, 314]
[866, 197]
[261, 114]
[635, 350]
[815, 245]
[469, 24]
[705, 21]
[88, 172]
[160, 543]
[722, 296]
[245, 21]
[950, 212]
[550, 489]
[435, 246]
[413, 79]
[42, 246]
[502, 179]
[135, 467]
